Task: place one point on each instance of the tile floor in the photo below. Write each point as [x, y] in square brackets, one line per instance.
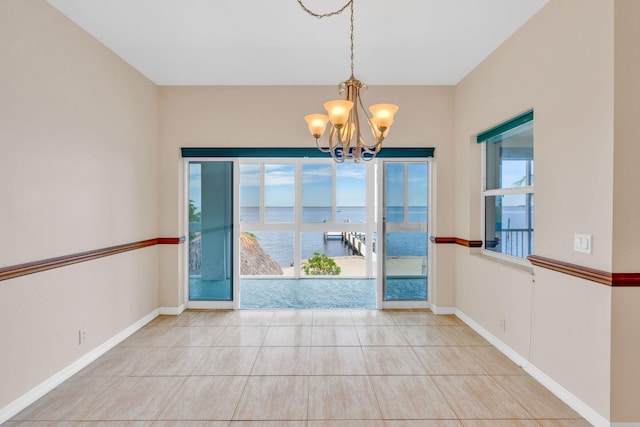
[302, 368]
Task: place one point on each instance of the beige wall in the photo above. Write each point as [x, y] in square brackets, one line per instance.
[625, 322]
[561, 65]
[274, 117]
[78, 171]
[626, 232]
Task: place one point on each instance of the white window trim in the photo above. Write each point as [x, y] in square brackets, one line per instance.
[497, 192]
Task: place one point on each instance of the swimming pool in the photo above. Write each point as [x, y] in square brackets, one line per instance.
[309, 293]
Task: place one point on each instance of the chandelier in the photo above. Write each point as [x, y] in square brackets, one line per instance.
[345, 136]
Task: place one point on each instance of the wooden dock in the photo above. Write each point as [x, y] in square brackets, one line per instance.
[355, 241]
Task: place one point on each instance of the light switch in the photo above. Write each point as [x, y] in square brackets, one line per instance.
[582, 243]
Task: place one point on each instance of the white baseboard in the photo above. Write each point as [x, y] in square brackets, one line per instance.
[442, 310]
[45, 387]
[562, 393]
[171, 311]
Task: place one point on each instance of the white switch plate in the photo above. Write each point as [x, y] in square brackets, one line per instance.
[582, 243]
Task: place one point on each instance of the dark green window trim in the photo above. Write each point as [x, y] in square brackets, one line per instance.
[296, 152]
[506, 126]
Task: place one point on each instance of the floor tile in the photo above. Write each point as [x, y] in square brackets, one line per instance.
[346, 423]
[380, 336]
[251, 318]
[288, 336]
[428, 335]
[292, 318]
[423, 423]
[133, 398]
[196, 336]
[274, 398]
[241, 336]
[410, 397]
[211, 318]
[448, 320]
[301, 368]
[535, 398]
[282, 361]
[191, 424]
[148, 336]
[167, 321]
[464, 335]
[68, 401]
[479, 397]
[119, 361]
[334, 336]
[392, 361]
[205, 398]
[493, 361]
[227, 361]
[342, 398]
[268, 424]
[565, 423]
[170, 361]
[78, 424]
[447, 361]
[337, 361]
[332, 318]
[414, 318]
[372, 318]
[500, 423]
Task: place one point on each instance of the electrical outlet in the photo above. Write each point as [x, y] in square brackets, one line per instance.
[82, 336]
[503, 325]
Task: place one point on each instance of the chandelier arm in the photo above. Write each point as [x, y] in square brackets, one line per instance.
[321, 148]
[328, 14]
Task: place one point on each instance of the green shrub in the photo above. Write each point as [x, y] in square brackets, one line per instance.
[320, 265]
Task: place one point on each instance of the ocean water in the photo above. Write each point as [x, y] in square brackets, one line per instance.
[280, 245]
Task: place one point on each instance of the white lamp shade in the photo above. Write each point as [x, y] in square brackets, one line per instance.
[338, 111]
[317, 124]
[383, 115]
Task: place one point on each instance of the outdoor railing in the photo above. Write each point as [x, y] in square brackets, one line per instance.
[516, 241]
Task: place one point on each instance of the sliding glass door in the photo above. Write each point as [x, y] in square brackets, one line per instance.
[211, 241]
[405, 230]
[283, 221]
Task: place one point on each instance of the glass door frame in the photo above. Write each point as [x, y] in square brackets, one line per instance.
[235, 283]
[375, 195]
[380, 226]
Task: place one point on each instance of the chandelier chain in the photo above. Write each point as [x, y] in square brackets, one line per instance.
[335, 12]
[351, 29]
[328, 14]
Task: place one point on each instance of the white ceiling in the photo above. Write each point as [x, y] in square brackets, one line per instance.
[274, 42]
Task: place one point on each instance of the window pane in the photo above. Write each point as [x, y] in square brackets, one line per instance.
[279, 193]
[317, 193]
[509, 224]
[249, 193]
[316, 245]
[406, 266]
[266, 253]
[417, 192]
[351, 192]
[211, 239]
[509, 161]
[394, 192]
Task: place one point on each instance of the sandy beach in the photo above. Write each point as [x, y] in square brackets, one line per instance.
[356, 266]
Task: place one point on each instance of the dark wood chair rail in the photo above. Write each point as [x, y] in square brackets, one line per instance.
[457, 241]
[14, 271]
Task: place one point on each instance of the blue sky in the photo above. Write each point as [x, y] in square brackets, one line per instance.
[316, 181]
